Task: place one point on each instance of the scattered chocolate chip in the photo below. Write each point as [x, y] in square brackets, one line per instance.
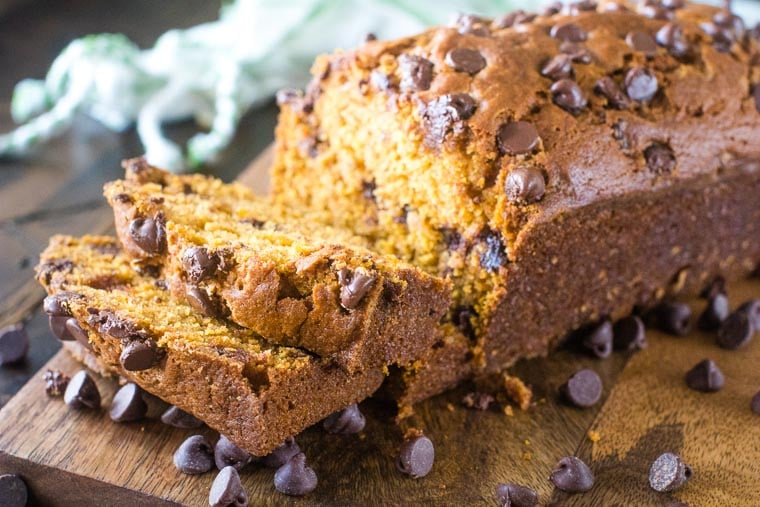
[735, 331]
[513, 18]
[75, 330]
[180, 419]
[671, 37]
[668, 473]
[640, 84]
[369, 37]
[572, 475]
[128, 404]
[576, 51]
[612, 92]
[642, 42]
[201, 302]
[517, 138]
[599, 339]
[714, 313]
[416, 456]
[199, 263]
[583, 389]
[650, 10]
[525, 185]
[416, 73]
[467, 24]
[568, 95]
[13, 492]
[629, 334]
[55, 382]
[754, 404]
[295, 477]
[194, 456]
[14, 344]
[672, 318]
[227, 490]
[514, 495]
[82, 392]
[345, 422]
[282, 454]
[149, 234]
[660, 158]
[478, 400]
[228, 454]
[465, 60]
[560, 66]
[752, 309]
[446, 113]
[138, 355]
[494, 256]
[354, 286]
[705, 376]
[568, 32]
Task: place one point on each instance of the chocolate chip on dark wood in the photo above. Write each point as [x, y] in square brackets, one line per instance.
[416, 73]
[194, 456]
[714, 313]
[178, 418]
[612, 92]
[149, 234]
[345, 422]
[572, 475]
[568, 32]
[517, 138]
[576, 51]
[754, 403]
[568, 95]
[478, 400]
[14, 344]
[672, 318]
[735, 331]
[599, 339]
[199, 263]
[139, 355]
[128, 404]
[55, 382]
[416, 456]
[465, 60]
[228, 454]
[668, 473]
[583, 388]
[82, 392]
[642, 42]
[671, 37]
[752, 309]
[201, 302]
[354, 285]
[660, 158]
[525, 185]
[227, 490]
[629, 334]
[494, 255]
[282, 454]
[560, 66]
[514, 495]
[640, 84]
[75, 330]
[13, 492]
[295, 477]
[705, 377]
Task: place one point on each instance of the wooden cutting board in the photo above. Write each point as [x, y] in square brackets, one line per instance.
[82, 458]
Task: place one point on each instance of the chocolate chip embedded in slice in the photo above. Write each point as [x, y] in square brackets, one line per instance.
[416, 73]
[178, 418]
[668, 473]
[735, 332]
[671, 37]
[705, 377]
[416, 456]
[517, 138]
[149, 234]
[640, 84]
[714, 313]
[559, 67]
[525, 185]
[295, 477]
[14, 344]
[345, 422]
[465, 60]
[13, 492]
[672, 318]
[629, 334]
[654, 11]
[82, 392]
[583, 389]
[754, 403]
[128, 404]
[642, 42]
[599, 339]
[201, 302]
[194, 456]
[572, 475]
[446, 113]
[568, 95]
[199, 263]
[227, 454]
[660, 158]
[55, 382]
[514, 495]
[752, 309]
[576, 51]
[568, 32]
[139, 355]
[227, 490]
[75, 330]
[354, 285]
[282, 454]
[612, 92]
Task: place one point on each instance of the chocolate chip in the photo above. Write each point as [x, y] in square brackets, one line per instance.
[599, 339]
[552, 9]
[649, 10]
[128, 404]
[416, 456]
[295, 477]
[467, 24]
[705, 376]
[369, 37]
[227, 490]
[345, 422]
[517, 138]
[568, 95]
[754, 404]
[673, 4]
[576, 51]
[575, 8]
[149, 234]
[572, 475]
[629, 334]
[660, 158]
[55, 382]
[58, 328]
[513, 18]
[614, 7]
[194, 456]
[642, 42]
[727, 19]
[640, 84]
[115, 326]
[672, 318]
[138, 355]
[180, 419]
[416, 73]
[560, 66]
[671, 37]
[57, 305]
[752, 309]
[75, 330]
[494, 256]
[47, 269]
[612, 92]
[668, 473]
[380, 80]
[228, 454]
[282, 454]
[568, 32]
[477, 400]
[756, 96]
[199, 263]
[583, 388]
[514, 495]
[446, 114]
[714, 313]
[354, 286]
[735, 332]
[722, 38]
[525, 185]
[13, 491]
[465, 60]
[82, 392]
[14, 344]
[716, 286]
[201, 302]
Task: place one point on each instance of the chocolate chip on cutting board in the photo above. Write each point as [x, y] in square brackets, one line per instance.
[514, 495]
[14, 344]
[416, 456]
[228, 454]
[668, 473]
[345, 422]
[572, 475]
[82, 392]
[194, 456]
[128, 404]
[705, 376]
[227, 490]
[583, 389]
[295, 477]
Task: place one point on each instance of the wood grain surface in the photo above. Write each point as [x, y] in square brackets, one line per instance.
[82, 458]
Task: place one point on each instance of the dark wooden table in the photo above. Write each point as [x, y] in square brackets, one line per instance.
[57, 189]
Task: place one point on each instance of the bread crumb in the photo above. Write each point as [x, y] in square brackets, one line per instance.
[517, 391]
[594, 436]
[508, 411]
[526, 441]
[450, 407]
[527, 456]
